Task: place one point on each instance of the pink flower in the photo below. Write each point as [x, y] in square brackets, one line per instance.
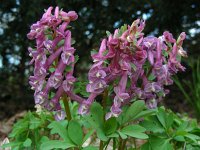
[68, 82]
[50, 54]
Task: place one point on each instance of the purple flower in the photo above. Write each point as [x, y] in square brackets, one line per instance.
[48, 45]
[67, 56]
[85, 105]
[152, 103]
[150, 44]
[115, 111]
[173, 64]
[181, 38]
[152, 87]
[55, 80]
[40, 72]
[68, 83]
[100, 55]
[70, 16]
[40, 98]
[50, 53]
[140, 56]
[169, 37]
[36, 83]
[97, 86]
[138, 67]
[60, 115]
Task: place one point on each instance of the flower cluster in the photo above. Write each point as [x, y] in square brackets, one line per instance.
[141, 65]
[137, 67]
[51, 56]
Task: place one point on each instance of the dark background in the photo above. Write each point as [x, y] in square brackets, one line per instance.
[95, 17]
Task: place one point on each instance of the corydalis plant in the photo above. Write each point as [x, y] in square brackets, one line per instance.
[143, 66]
[138, 67]
[51, 56]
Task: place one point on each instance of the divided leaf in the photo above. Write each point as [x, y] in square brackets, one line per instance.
[54, 144]
[133, 110]
[56, 127]
[110, 126]
[135, 131]
[75, 132]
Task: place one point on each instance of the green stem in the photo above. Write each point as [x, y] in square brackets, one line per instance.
[124, 144]
[120, 143]
[67, 109]
[105, 95]
[101, 145]
[114, 143]
[135, 145]
[107, 143]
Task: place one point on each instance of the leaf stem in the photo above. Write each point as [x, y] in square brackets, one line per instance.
[135, 145]
[105, 95]
[67, 109]
[120, 143]
[101, 145]
[124, 144]
[114, 143]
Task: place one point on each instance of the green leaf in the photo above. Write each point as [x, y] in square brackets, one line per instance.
[90, 148]
[101, 135]
[133, 66]
[146, 146]
[27, 143]
[169, 120]
[108, 33]
[68, 68]
[113, 135]
[75, 132]
[88, 135]
[76, 58]
[97, 114]
[122, 135]
[110, 126]
[183, 126]
[165, 53]
[91, 122]
[135, 131]
[152, 124]
[160, 143]
[182, 133]
[162, 117]
[49, 36]
[165, 118]
[56, 127]
[94, 51]
[35, 123]
[53, 144]
[73, 41]
[51, 69]
[179, 138]
[145, 113]
[11, 144]
[61, 43]
[122, 30]
[44, 139]
[133, 110]
[151, 77]
[192, 137]
[21, 126]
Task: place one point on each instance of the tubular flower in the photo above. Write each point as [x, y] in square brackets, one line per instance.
[138, 67]
[53, 53]
[129, 58]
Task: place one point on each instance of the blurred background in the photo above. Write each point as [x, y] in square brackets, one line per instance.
[95, 17]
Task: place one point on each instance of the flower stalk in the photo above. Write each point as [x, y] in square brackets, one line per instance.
[67, 108]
